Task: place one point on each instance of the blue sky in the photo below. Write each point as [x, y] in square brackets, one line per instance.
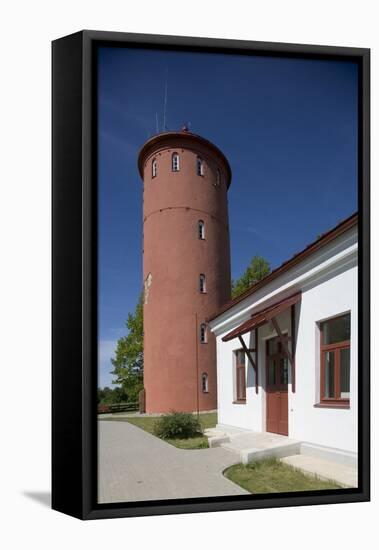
[287, 126]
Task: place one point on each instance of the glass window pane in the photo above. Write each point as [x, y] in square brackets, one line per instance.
[336, 330]
[241, 383]
[272, 346]
[329, 374]
[241, 357]
[202, 283]
[199, 166]
[345, 373]
[271, 372]
[284, 371]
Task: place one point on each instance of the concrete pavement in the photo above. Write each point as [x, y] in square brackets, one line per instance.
[133, 465]
[345, 475]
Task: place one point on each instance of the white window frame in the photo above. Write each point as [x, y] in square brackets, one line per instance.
[204, 382]
[154, 168]
[202, 283]
[199, 166]
[203, 333]
[175, 162]
[201, 229]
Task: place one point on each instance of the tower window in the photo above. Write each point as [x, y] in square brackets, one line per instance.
[203, 333]
[202, 285]
[199, 166]
[154, 168]
[201, 228]
[204, 382]
[175, 162]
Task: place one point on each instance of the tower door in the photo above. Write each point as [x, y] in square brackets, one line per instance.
[276, 388]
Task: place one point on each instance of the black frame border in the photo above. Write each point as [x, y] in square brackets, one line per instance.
[74, 271]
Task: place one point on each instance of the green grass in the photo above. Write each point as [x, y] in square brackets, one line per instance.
[207, 420]
[273, 476]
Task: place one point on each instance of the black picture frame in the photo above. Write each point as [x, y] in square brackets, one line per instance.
[74, 272]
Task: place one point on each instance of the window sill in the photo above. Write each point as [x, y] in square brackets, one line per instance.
[332, 405]
[239, 402]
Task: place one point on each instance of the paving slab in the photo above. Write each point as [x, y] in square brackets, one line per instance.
[257, 440]
[347, 476]
[134, 465]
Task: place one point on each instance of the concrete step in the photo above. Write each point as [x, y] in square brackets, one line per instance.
[345, 475]
[326, 463]
[258, 440]
[216, 437]
[253, 454]
[257, 446]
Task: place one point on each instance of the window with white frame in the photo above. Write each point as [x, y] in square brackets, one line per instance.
[202, 283]
[204, 382]
[199, 166]
[154, 168]
[203, 333]
[201, 229]
[175, 162]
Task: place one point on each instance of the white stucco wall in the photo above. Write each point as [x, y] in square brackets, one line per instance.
[324, 426]
[329, 285]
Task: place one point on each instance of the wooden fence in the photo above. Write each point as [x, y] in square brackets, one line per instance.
[103, 408]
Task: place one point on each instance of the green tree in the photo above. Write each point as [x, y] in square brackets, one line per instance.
[256, 270]
[128, 359]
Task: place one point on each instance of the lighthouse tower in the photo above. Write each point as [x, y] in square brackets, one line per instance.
[186, 267]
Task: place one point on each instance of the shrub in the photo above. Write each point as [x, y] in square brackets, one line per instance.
[177, 425]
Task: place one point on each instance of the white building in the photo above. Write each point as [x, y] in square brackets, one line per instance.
[287, 348]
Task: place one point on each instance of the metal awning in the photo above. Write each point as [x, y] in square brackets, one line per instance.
[262, 317]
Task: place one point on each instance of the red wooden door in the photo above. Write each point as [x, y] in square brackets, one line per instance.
[276, 388]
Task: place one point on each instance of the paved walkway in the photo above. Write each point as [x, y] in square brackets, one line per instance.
[347, 476]
[134, 465]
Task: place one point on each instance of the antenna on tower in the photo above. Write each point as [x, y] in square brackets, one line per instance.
[156, 123]
[165, 102]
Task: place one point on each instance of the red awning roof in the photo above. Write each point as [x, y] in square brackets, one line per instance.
[262, 317]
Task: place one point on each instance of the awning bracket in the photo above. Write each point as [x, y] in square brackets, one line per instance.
[283, 340]
[247, 351]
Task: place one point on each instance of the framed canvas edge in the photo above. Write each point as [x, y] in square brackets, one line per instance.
[87, 508]
[67, 129]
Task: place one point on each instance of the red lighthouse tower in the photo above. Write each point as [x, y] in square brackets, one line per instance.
[186, 267]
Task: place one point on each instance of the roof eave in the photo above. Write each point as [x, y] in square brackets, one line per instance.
[332, 234]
